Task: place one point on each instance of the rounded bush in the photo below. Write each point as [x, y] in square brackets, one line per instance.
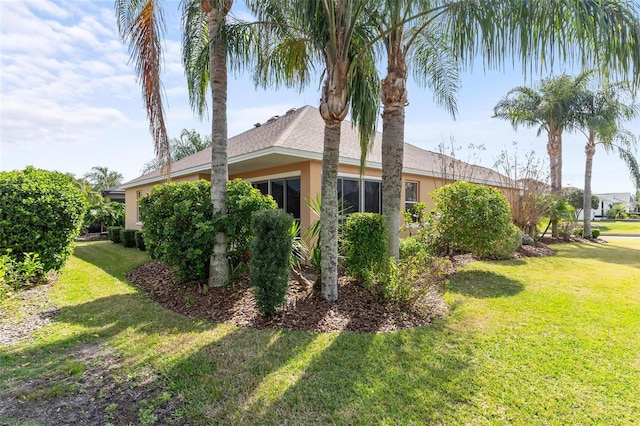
[595, 233]
[504, 247]
[472, 218]
[366, 244]
[269, 263]
[41, 212]
[410, 247]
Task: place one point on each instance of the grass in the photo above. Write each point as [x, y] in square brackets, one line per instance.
[534, 341]
[618, 227]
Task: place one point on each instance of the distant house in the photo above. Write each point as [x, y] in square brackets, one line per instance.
[283, 157]
[115, 193]
[610, 199]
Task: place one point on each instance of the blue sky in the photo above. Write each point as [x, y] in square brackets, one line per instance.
[69, 100]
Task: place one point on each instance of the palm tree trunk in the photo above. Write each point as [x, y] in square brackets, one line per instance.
[329, 210]
[394, 99]
[553, 149]
[218, 263]
[590, 150]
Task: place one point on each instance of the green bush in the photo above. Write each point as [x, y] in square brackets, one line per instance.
[128, 237]
[472, 217]
[365, 236]
[410, 247]
[407, 281]
[40, 212]
[179, 227]
[243, 201]
[16, 273]
[270, 261]
[595, 233]
[107, 213]
[504, 247]
[139, 237]
[617, 211]
[577, 232]
[114, 233]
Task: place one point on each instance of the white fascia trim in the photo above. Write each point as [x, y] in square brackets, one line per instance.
[357, 177]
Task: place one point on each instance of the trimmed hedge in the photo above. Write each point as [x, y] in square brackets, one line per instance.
[139, 237]
[114, 233]
[271, 251]
[41, 212]
[128, 237]
[366, 246]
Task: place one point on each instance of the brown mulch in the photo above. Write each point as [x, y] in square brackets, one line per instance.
[356, 310]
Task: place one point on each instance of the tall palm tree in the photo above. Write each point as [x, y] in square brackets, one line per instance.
[450, 33]
[141, 26]
[333, 33]
[103, 178]
[601, 115]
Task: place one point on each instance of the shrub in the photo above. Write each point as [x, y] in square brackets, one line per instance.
[408, 281]
[108, 213]
[503, 248]
[366, 246]
[577, 232]
[15, 273]
[527, 240]
[243, 201]
[40, 212]
[271, 250]
[140, 241]
[617, 211]
[595, 233]
[128, 237]
[114, 233]
[179, 227]
[410, 247]
[472, 217]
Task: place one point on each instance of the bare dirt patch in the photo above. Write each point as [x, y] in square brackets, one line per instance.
[86, 386]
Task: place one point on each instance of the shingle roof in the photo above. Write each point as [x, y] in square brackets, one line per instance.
[301, 131]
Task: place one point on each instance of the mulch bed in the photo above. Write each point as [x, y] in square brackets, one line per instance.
[356, 310]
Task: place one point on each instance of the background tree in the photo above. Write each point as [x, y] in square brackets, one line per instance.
[602, 113]
[575, 198]
[552, 108]
[102, 178]
[189, 143]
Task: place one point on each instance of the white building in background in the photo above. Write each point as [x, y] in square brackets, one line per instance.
[608, 200]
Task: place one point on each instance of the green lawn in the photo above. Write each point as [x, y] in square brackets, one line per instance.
[535, 341]
[618, 227]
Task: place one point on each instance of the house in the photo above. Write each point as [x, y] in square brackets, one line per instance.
[610, 199]
[283, 157]
[114, 194]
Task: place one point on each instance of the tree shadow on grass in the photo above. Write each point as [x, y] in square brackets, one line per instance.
[606, 253]
[483, 284]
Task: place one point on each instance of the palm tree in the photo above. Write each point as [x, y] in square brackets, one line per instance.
[450, 33]
[187, 144]
[141, 26]
[601, 115]
[552, 109]
[103, 178]
[334, 33]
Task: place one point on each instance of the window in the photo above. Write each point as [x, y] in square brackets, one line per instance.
[354, 200]
[286, 193]
[410, 194]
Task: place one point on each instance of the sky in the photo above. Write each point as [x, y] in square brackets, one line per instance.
[69, 100]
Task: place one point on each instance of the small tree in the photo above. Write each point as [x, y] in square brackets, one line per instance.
[575, 198]
[40, 212]
[366, 246]
[270, 261]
